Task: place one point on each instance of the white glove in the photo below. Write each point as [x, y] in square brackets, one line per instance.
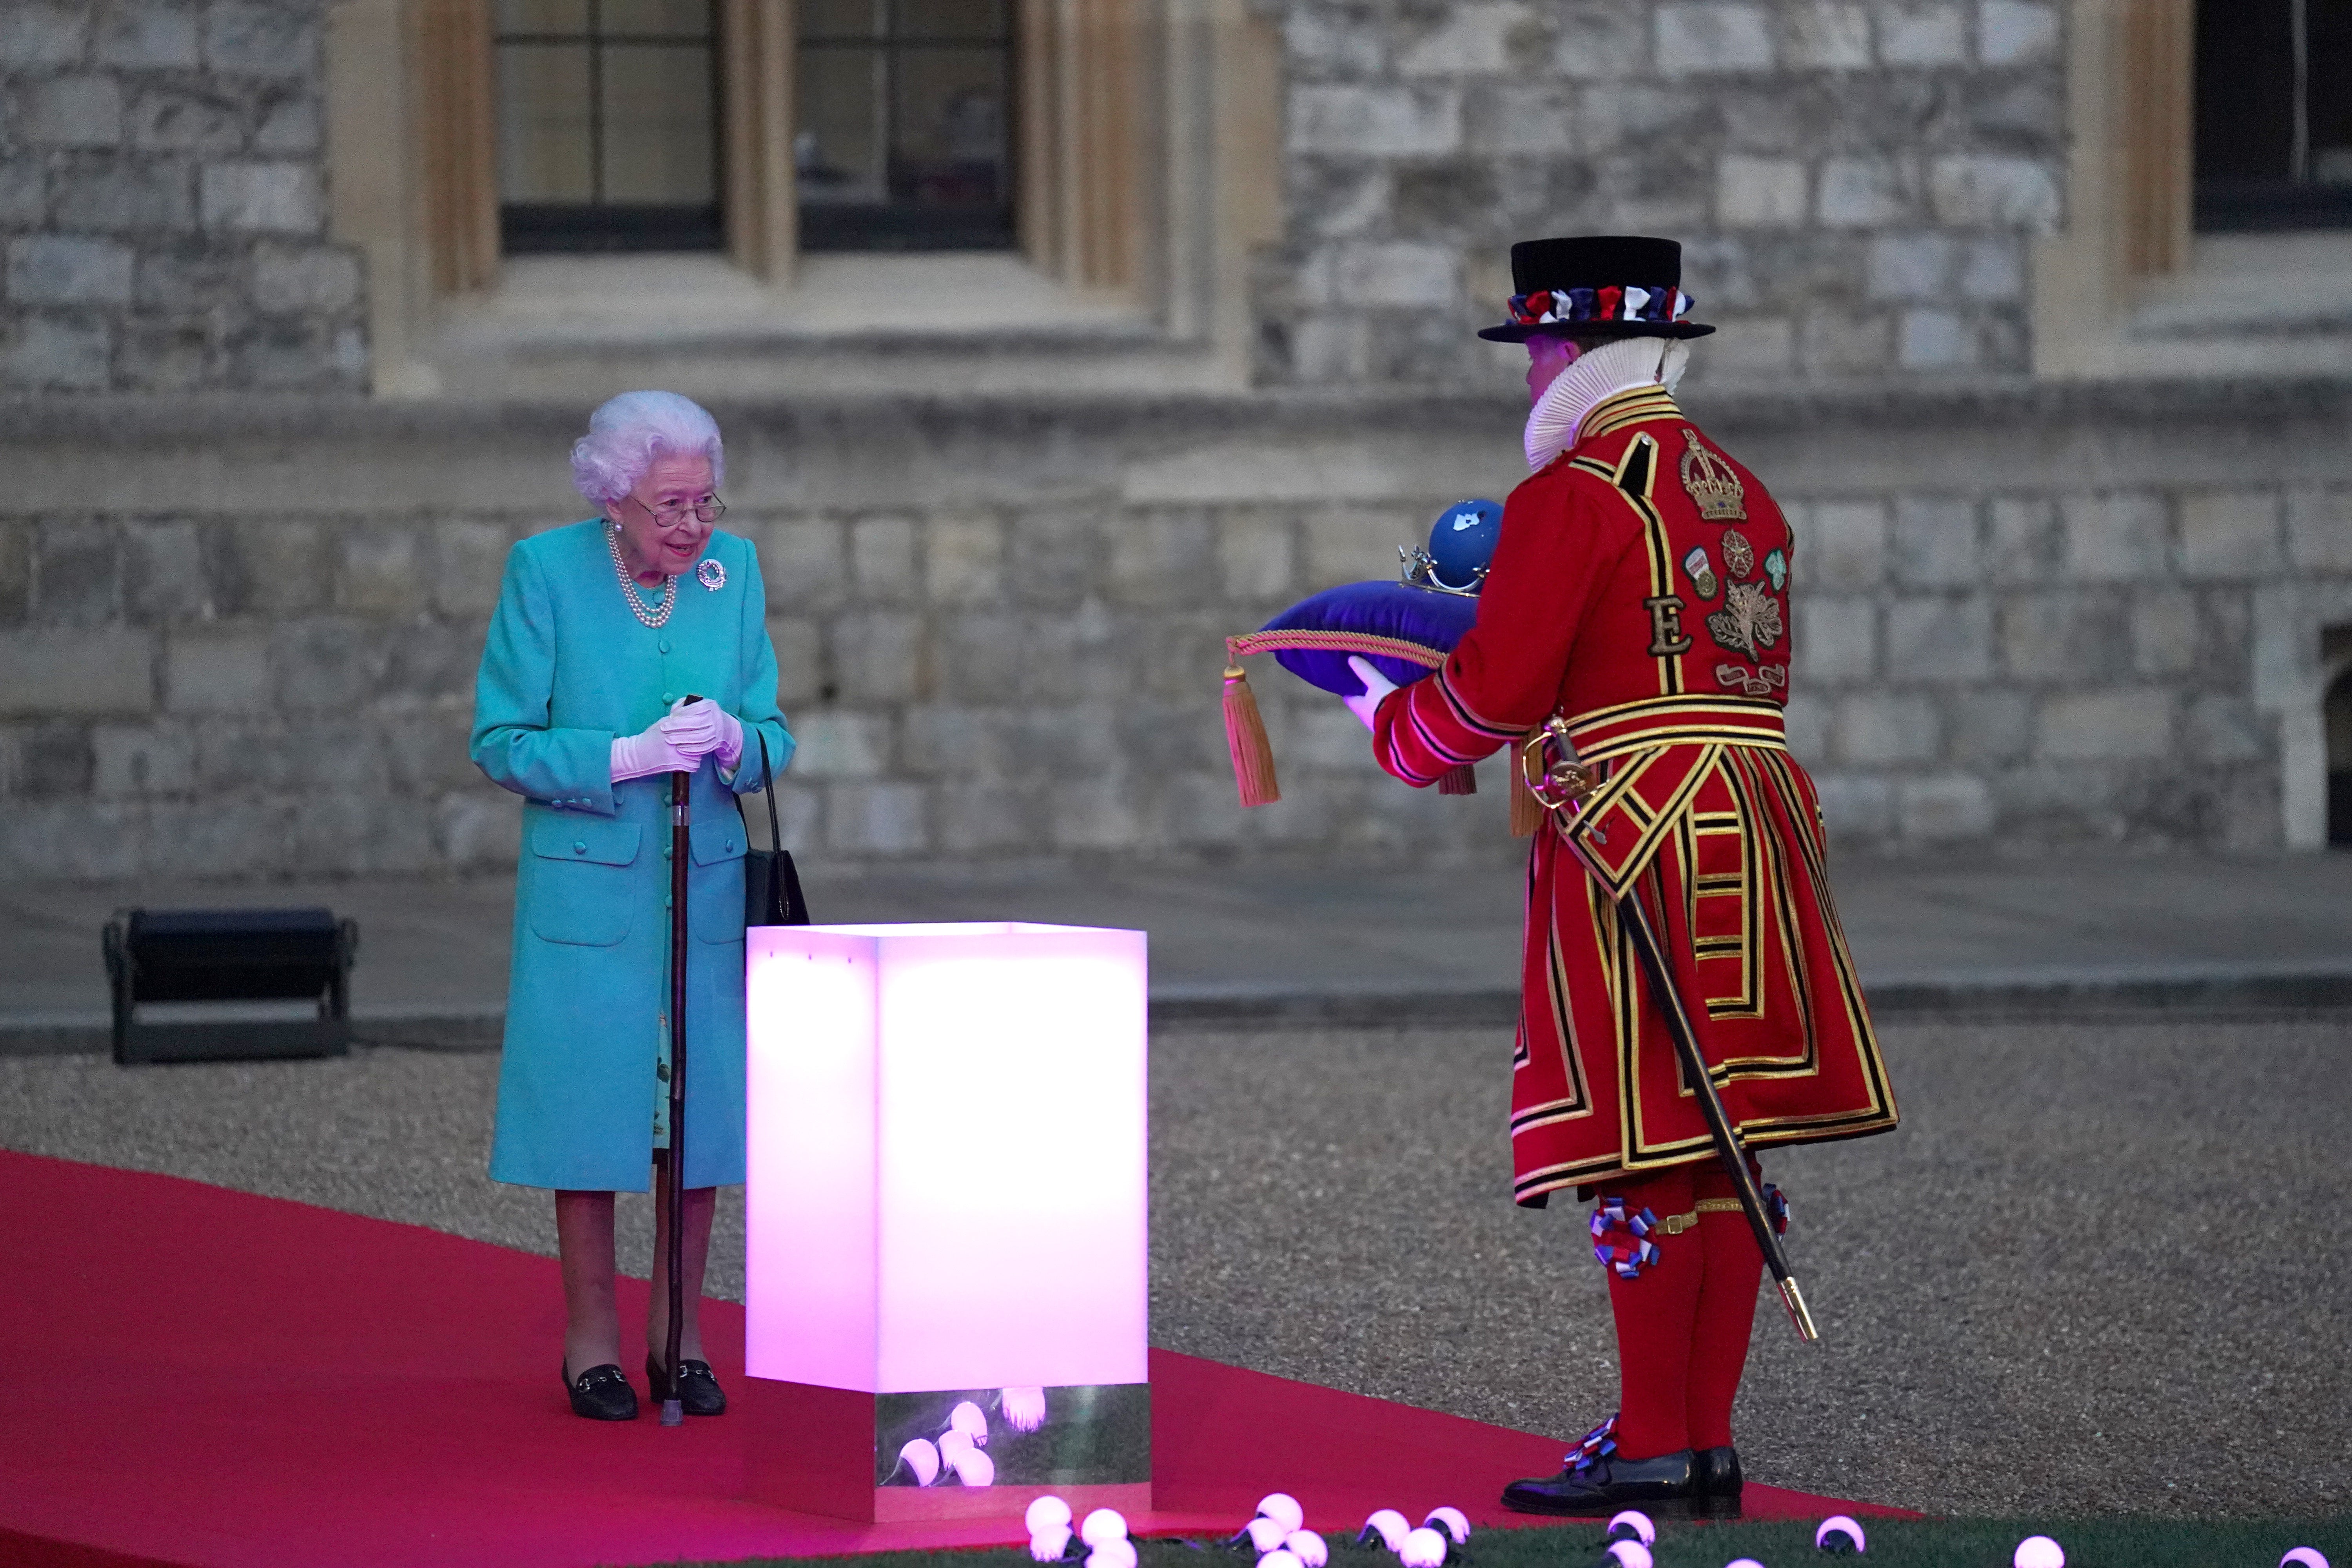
[642, 756]
[1376, 686]
[703, 729]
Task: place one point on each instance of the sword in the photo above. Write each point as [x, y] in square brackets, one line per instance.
[1560, 782]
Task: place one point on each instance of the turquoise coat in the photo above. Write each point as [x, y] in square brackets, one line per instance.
[566, 668]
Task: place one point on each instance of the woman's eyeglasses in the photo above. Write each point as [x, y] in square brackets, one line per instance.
[709, 509]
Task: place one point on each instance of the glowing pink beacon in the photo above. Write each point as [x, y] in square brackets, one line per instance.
[945, 1195]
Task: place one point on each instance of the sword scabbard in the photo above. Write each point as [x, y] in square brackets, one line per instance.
[1794, 1299]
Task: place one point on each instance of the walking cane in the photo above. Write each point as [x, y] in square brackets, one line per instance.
[673, 1410]
[1561, 784]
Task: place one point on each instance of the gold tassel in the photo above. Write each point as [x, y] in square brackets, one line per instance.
[1462, 779]
[1527, 813]
[1246, 739]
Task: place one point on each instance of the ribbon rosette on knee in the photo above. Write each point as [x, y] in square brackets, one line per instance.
[1621, 1240]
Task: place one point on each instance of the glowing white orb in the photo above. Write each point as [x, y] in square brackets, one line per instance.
[1103, 1524]
[1423, 1548]
[1265, 1534]
[1451, 1520]
[1024, 1409]
[2039, 1552]
[1634, 1519]
[1047, 1544]
[1311, 1550]
[1389, 1525]
[1120, 1553]
[1743, 1563]
[1840, 1524]
[966, 1418]
[2307, 1556]
[953, 1446]
[1046, 1512]
[1630, 1554]
[921, 1460]
[1284, 1507]
[1278, 1558]
[973, 1467]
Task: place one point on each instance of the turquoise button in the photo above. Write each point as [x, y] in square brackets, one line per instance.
[731, 844]
[667, 697]
[580, 847]
[664, 645]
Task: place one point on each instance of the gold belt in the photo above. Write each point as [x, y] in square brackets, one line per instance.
[1675, 1224]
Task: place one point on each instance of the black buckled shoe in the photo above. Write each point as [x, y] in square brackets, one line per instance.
[1602, 1485]
[602, 1393]
[1717, 1478]
[698, 1392]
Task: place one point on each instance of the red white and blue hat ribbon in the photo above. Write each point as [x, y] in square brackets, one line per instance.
[1554, 306]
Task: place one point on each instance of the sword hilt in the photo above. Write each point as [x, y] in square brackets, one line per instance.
[1548, 766]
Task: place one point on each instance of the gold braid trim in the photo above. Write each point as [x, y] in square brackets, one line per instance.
[1364, 643]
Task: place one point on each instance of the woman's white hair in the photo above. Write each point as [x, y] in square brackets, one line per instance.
[629, 431]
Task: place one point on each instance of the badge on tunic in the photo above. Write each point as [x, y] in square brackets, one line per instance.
[1714, 487]
[1739, 555]
[1775, 566]
[1761, 681]
[710, 574]
[1749, 620]
[1702, 576]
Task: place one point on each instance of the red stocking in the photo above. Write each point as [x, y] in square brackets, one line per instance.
[1726, 1314]
[1655, 1314]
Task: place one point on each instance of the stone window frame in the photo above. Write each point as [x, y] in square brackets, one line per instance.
[1149, 171]
[2127, 288]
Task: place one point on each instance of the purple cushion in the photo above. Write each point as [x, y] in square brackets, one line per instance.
[1313, 639]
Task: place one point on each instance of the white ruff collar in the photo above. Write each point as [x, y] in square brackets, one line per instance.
[1606, 371]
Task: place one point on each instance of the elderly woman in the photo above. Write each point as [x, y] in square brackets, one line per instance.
[624, 648]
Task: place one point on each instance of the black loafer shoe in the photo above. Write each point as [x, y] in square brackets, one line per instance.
[1716, 1479]
[1666, 1484]
[698, 1392]
[602, 1394]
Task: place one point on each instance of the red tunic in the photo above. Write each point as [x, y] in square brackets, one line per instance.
[1640, 588]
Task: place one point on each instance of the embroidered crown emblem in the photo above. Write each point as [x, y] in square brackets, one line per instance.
[1713, 485]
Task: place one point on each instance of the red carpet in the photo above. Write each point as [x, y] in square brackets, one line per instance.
[201, 1376]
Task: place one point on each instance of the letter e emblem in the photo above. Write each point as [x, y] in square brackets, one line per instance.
[1666, 625]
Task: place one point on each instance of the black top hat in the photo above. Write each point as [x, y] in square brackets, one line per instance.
[1597, 285]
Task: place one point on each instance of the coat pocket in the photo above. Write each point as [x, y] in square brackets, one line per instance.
[581, 883]
[714, 895]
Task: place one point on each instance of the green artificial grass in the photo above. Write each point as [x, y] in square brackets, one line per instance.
[1892, 1543]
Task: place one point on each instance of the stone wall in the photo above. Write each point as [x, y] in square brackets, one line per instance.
[161, 207]
[1854, 181]
[241, 640]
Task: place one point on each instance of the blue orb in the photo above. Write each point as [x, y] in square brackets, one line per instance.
[1462, 541]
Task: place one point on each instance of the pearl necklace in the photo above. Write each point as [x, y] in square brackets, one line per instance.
[629, 590]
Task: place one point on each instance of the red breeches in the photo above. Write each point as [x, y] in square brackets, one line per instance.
[1683, 1324]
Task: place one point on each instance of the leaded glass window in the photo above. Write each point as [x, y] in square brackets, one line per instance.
[2273, 114]
[904, 141]
[608, 125]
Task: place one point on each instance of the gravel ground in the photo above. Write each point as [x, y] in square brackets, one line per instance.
[2100, 1269]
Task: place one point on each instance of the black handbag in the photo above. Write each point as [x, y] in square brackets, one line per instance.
[772, 884]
